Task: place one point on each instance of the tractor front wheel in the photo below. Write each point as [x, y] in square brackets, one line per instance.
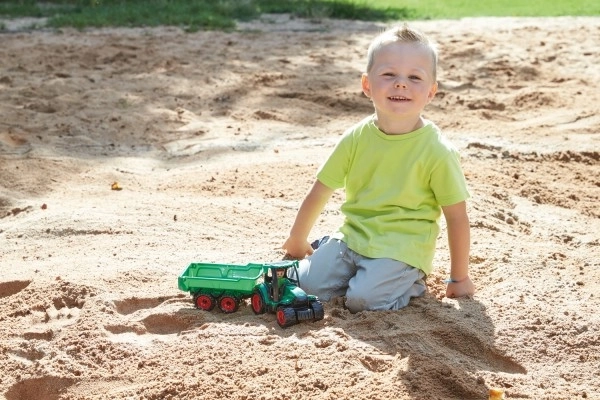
[318, 311]
[228, 304]
[258, 305]
[286, 316]
[204, 301]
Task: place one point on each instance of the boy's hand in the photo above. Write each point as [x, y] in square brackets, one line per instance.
[297, 249]
[460, 289]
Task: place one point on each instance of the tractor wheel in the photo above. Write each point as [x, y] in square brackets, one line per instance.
[318, 311]
[204, 301]
[286, 316]
[228, 304]
[258, 305]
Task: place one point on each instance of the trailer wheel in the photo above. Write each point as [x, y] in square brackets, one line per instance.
[204, 301]
[318, 311]
[286, 316]
[228, 304]
[258, 305]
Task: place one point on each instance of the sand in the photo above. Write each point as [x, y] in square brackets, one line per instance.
[214, 138]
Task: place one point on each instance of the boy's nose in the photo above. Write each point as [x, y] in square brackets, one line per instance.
[400, 83]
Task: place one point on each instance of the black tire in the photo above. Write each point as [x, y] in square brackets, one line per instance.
[204, 301]
[228, 304]
[318, 311]
[286, 316]
[258, 305]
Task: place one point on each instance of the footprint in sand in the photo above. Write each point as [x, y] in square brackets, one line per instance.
[51, 320]
[147, 317]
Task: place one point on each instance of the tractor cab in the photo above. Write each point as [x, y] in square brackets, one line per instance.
[280, 285]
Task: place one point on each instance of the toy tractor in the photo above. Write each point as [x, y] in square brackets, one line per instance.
[280, 294]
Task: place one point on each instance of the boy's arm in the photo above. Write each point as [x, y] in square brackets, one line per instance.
[459, 241]
[297, 245]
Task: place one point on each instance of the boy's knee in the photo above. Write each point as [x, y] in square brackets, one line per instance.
[356, 301]
[357, 304]
[363, 298]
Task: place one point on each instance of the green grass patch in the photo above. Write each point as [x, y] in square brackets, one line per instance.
[453, 9]
[222, 14]
[191, 14]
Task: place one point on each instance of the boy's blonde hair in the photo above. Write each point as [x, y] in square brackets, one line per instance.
[403, 34]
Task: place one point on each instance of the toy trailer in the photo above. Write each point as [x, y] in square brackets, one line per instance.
[224, 285]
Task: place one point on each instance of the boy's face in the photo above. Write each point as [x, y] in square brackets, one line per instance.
[400, 82]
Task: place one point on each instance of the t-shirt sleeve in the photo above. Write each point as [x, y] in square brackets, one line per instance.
[334, 170]
[448, 181]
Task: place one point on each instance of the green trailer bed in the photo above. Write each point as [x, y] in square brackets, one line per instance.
[226, 277]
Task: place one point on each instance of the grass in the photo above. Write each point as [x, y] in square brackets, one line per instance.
[222, 14]
[453, 9]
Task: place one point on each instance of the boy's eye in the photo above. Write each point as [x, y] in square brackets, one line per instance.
[388, 74]
[415, 77]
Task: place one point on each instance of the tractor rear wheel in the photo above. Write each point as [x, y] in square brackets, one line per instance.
[258, 305]
[318, 311]
[286, 316]
[228, 304]
[204, 301]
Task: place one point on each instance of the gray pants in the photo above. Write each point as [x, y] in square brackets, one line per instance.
[368, 283]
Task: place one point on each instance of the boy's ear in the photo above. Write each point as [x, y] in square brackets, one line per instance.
[432, 92]
[366, 87]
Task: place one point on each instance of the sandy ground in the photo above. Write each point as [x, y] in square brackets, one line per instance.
[214, 139]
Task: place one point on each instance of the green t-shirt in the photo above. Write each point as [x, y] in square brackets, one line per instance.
[395, 186]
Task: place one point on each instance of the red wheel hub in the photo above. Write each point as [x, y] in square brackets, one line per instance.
[204, 302]
[281, 317]
[228, 304]
[256, 302]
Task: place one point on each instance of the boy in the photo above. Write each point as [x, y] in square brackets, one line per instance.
[399, 173]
